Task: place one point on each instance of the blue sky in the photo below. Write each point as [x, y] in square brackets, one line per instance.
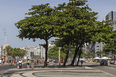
[12, 11]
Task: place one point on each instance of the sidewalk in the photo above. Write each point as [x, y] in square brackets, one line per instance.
[50, 71]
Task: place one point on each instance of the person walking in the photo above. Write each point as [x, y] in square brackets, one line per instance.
[10, 62]
[81, 62]
[32, 63]
[28, 62]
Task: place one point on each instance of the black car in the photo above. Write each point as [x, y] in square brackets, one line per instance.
[104, 62]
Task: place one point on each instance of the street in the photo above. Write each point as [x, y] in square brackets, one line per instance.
[109, 69]
[88, 69]
[6, 67]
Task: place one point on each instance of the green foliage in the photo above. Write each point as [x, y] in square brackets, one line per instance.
[110, 45]
[90, 55]
[74, 22]
[100, 53]
[78, 24]
[40, 24]
[13, 52]
[54, 53]
[37, 57]
[82, 52]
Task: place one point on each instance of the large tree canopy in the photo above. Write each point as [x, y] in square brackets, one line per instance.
[40, 24]
[74, 21]
[77, 23]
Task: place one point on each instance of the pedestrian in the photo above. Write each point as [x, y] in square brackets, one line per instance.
[81, 62]
[32, 63]
[47, 61]
[14, 62]
[10, 62]
[28, 62]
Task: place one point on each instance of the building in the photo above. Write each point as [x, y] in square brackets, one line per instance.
[112, 16]
[95, 47]
[34, 50]
[3, 49]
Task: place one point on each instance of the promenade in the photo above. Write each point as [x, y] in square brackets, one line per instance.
[50, 71]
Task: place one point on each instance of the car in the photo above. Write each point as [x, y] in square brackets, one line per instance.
[104, 62]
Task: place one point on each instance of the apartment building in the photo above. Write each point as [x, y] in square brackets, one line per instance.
[112, 16]
[34, 50]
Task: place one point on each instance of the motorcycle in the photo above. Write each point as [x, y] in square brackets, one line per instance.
[20, 65]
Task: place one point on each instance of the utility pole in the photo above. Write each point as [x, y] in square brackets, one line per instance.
[4, 31]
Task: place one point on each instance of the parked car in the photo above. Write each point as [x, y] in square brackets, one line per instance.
[104, 62]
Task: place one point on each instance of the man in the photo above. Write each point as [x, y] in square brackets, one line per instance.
[20, 64]
[81, 62]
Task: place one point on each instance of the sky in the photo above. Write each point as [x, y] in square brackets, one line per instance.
[12, 11]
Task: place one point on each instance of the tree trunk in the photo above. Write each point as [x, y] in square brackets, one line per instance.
[78, 59]
[67, 55]
[46, 49]
[76, 50]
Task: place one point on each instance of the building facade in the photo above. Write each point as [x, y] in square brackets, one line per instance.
[3, 49]
[112, 16]
[34, 50]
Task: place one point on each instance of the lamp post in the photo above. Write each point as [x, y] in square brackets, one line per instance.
[5, 44]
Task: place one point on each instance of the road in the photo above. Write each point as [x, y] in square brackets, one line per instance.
[108, 69]
[111, 69]
[6, 67]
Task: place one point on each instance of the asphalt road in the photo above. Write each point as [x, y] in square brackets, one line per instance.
[6, 67]
[111, 69]
[108, 69]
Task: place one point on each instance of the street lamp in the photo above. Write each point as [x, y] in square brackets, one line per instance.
[5, 44]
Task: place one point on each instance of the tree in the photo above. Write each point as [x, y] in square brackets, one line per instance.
[13, 52]
[20, 52]
[90, 54]
[38, 25]
[110, 45]
[78, 24]
[100, 53]
[37, 57]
